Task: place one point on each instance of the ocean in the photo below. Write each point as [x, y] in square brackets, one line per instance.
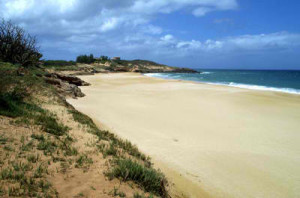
[268, 80]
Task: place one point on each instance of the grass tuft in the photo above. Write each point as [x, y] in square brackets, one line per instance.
[149, 179]
[50, 125]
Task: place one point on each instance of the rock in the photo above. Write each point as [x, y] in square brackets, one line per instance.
[65, 84]
[72, 80]
[53, 81]
[68, 78]
[71, 90]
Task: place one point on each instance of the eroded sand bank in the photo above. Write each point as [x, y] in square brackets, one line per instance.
[230, 142]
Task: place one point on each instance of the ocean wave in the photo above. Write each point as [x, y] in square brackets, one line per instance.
[231, 84]
[159, 75]
[206, 72]
[264, 88]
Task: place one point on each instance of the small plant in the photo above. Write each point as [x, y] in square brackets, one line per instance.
[111, 150]
[50, 125]
[40, 171]
[148, 178]
[20, 166]
[83, 161]
[8, 148]
[26, 147]
[3, 139]
[47, 146]
[38, 137]
[138, 195]
[33, 158]
[116, 192]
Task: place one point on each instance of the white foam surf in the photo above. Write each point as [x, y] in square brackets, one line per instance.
[231, 84]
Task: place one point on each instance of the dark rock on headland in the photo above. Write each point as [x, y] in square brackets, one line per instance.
[66, 85]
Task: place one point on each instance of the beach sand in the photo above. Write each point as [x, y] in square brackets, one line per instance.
[211, 141]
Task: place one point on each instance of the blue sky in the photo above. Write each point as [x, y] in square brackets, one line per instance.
[235, 34]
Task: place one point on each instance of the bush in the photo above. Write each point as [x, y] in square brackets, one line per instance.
[16, 46]
[53, 63]
[85, 59]
[104, 58]
[148, 178]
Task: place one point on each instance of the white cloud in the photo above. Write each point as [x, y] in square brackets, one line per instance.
[167, 38]
[201, 11]
[109, 24]
[70, 27]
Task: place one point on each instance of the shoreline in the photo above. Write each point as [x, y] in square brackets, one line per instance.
[284, 90]
[115, 85]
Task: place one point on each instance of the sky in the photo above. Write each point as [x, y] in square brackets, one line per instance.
[223, 34]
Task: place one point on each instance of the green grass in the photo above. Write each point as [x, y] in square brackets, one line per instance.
[40, 171]
[58, 63]
[16, 86]
[116, 193]
[83, 161]
[110, 151]
[27, 147]
[50, 125]
[105, 135]
[138, 195]
[149, 179]
[33, 158]
[20, 166]
[3, 139]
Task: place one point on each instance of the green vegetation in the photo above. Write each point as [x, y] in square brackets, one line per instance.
[16, 46]
[25, 183]
[58, 63]
[16, 101]
[116, 143]
[148, 178]
[83, 161]
[125, 168]
[138, 195]
[85, 59]
[21, 85]
[117, 193]
[104, 58]
[50, 125]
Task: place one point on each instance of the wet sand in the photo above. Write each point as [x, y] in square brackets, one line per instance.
[211, 141]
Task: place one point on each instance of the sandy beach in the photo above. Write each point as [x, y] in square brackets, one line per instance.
[211, 141]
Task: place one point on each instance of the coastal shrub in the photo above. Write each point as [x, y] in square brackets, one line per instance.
[11, 105]
[58, 63]
[104, 58]
[149, 179]
[85, 59]
[16, 46]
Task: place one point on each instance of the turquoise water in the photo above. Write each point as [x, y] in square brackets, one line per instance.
[270, 80]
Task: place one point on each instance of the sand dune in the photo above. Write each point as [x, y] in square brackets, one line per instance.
[229, 142]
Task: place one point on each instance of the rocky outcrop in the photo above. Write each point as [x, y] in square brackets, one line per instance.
[66, 85]
[143, 66]
[68, 78]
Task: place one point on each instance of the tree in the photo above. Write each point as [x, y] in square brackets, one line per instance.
[17, 46]
[85, 59]
[104, 58]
